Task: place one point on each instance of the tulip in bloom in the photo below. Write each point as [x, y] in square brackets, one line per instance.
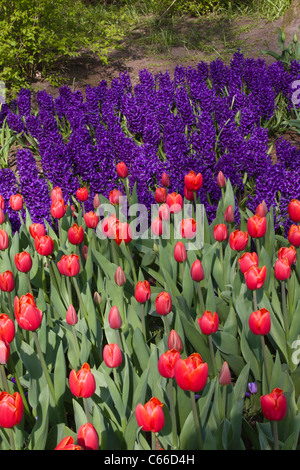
[174, 341]
[247, 260]
[163, 303]
[166, 363]
[293, 235]
[294, 210]
[208, 323]
[7, 327]
[192, 181]
[180, 254]
[7, 283]
[157, 226]
[75, 234]
[23, 262]
[165, 180]
[288, 252]
[16, 202]
[220, 232]
[114, 318]
[282, 269]
[91, 219]
[122, 232]
[120, 278]
[4, 350]
[28, 316]
[274, 405]
[150, 416]
[261, 209]
[56, 194]
[191, 373]
[225, 376]
[3, 240]
[164, 212]
[160, 195]
[82, 194]
[11, 409]
[197, 273]
[87, 437]
[37, 230]
[112, 355]
[255, 277]
[69, 265]
[58, 209]
[44, 245]
[114, 196]
[238, 240]
[175, 202]
[82, 383]
[229, 214]
[257, 226]
[71, 316]
[142, 292]
[188, 228]
[122, 170]
[260, 322]
[67, 443]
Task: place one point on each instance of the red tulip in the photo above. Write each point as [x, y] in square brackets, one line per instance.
[150, 416]
[107, 226]
[293, 235]
[174, 341]
[71, 316]
[157, 226]
[175, 202]
[68, 265]
[221, 181]
[197, 273]
[163, 303]
[96, 201]
[229, 215]
[56, 194]
[23, 262]
[165, 180]
[257, 226]
[7, 327]
[67, 443]
[4, 242]
[225, 376]
[238, 240]
[164, 212]
[180, 254]
[58, 209]
[82, 383]
[247, 260]
[142, 291]
[16, 202]
[85, 252]
[91, 219]
[7, 283]
[11, 409]
[220, 232]
[160, 195]
[120, 278]
[75, 234]
[122, 232]
[37, 230]
[44, 245]
[28, 316]
[208, 323]
[294, 210]
[114, 318]
[282, 269]
[288, 252]
[2, 216]
[255, 277]
[191, 373]
[260, 322]
[261, 209]
[122, 170]
[192, 181]
[2, 203]
[114, 196]
[4, 350]
[82, 194]
[188, 228]
[274, 405]
[189, 195]
[112, 355]
[166, 363]
[87, 437]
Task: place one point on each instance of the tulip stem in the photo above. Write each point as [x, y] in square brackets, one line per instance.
[4, 379]
[173, 414]
[284, 310]
[275, 434]
[79, 297]
[254, 300]
[202, 306]
[86, 409]
[44, 366]
[132, 265]
[11, 310]
[21, 391]
[167, 326]
[153, 440]
[196, 420]
[28, 283]
[143, 321]
[76, 343]
[212, 354]
[69, 290]
[11, 436]
[221, 254]
[263, 347]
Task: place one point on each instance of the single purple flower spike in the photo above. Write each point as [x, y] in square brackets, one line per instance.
[252, 387]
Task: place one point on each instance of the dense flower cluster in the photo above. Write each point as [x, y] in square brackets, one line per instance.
[208, 119]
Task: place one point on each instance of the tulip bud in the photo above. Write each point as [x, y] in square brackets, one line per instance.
[122, 170]
[97, 298]
[288, 252]
[37, 230]
[294, 210]
[274, 405]
[87, 437]
[221, 181]
[247, 260]
[11, 409]
[96, 201]
[56, 194]
[16, 202]
[91, 219]
[174, 341]
[4, 242]
[82, 383]
[175, 202]
[293, 235]
[165, 180]
[112, 355]
[197, 272]
[261, 209]
[157, 226]
[164, 212]
[7, 282]
[120, 278]
[229, 215]
[220, 232]
[2, 203]
[85, 252]
[75, 234]
[189, 195]
[23, 262]
[4, 350]
[82, 194]
[142, 292]
[225, 376]
[180, 254]
[282, 269]
[7, 328]
[188, 228]
[114, 318]
[2, 216]
[58, 209]
[260, 322]
[163, 303]
[208, 323]
[71, 316]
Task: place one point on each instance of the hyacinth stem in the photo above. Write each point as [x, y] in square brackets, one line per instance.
[212, 354]
[173, 414]
[44, 366]
[275, 435]
[263, 347]
[196, 420]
